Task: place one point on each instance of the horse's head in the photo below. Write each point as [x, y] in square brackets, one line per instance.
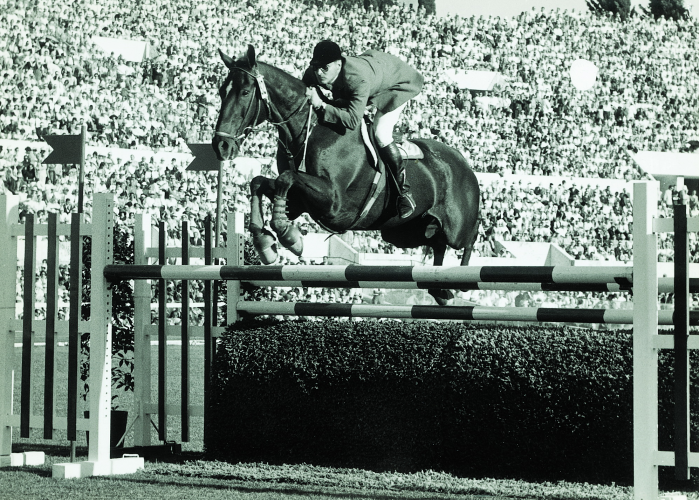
[242, 108]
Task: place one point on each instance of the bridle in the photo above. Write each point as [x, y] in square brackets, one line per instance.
[271, 110]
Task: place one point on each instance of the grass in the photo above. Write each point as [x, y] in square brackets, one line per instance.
[192, 477]
[218, 480]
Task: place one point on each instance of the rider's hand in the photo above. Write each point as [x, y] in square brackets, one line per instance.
[315, 99]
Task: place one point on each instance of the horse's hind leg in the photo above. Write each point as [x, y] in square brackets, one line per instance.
[262, 239]
[468, 249]
[442, 296]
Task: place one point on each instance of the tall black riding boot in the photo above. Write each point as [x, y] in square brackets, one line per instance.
[393, 159]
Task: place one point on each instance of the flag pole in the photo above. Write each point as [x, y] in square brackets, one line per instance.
[81, 172]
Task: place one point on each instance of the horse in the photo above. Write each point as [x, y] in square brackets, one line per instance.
[326, 171]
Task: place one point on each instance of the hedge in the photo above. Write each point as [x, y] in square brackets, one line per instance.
[481, 401]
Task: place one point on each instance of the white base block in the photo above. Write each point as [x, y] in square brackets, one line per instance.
[115, 466]
[673, 496]
[16, 459]
[66, 471]
[34, 458]
[103, 468]
[127, 465]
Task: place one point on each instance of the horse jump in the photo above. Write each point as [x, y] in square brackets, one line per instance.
[645, 315]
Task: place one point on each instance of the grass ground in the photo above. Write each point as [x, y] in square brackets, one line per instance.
[217, 480]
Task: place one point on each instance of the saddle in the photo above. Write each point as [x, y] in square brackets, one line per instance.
[408, 150]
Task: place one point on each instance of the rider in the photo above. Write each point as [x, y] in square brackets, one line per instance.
[372, 78]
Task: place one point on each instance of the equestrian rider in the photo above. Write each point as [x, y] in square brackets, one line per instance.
[372, 78]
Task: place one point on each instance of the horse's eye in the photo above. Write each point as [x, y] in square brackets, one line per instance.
[246, 92]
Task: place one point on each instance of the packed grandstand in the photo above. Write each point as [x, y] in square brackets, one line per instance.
[530, 140]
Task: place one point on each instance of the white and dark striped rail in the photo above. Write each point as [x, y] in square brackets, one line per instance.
[545, 278]
[457, 313]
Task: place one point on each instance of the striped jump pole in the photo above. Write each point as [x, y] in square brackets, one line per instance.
[460, 313]
[665, 285]
[356, 276]
[611, 279]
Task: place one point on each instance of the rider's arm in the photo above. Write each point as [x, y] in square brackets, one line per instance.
[349, 109]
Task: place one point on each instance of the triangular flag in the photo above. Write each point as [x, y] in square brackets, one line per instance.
[66, 149]
[204, 157]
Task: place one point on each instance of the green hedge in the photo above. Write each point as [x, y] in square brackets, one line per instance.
[526, 402]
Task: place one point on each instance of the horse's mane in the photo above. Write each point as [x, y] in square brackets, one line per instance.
[243, 62]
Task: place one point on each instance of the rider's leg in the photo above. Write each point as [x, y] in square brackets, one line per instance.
[383, 124]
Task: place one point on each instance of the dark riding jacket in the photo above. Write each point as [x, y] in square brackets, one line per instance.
[374, 78]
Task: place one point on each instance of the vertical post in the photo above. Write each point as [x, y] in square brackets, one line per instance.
[645, 329]
[208, 340]
[162, 339]
[27, 333]
[76, 247]
[51, 299]
[235, 252]
[681, 323]
[81, 171]
[219, 203]
[8, 288]
[184, 316]
[101, 335]
[142, 348]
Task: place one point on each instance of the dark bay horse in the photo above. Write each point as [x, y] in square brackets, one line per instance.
[338, 177]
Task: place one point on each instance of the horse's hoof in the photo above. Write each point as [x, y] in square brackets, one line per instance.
[266, 247]
[443, 297]
[292, 239]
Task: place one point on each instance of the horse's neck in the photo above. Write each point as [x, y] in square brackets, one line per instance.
[288, 96]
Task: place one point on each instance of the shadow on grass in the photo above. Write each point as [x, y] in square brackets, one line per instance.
[158, 453]
[286, 489]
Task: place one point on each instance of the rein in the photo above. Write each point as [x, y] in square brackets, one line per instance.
[271, 109]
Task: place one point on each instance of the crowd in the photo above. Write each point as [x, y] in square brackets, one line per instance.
[53, 79]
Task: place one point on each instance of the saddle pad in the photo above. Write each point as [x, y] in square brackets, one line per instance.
[410, 150]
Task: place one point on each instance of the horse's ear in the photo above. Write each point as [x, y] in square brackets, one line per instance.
[251, 56]
[227, 60]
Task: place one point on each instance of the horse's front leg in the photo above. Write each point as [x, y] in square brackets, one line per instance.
[288, 234]
[263, 240]
[314, 191]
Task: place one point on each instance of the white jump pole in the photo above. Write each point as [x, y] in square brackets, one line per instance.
[645, 331]
[98, 461]
[8, 276]
[143, 237]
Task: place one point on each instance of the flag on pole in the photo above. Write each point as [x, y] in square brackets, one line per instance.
[204, 158]
[67, 149]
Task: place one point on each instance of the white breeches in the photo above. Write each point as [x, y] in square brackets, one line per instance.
[384, 123]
